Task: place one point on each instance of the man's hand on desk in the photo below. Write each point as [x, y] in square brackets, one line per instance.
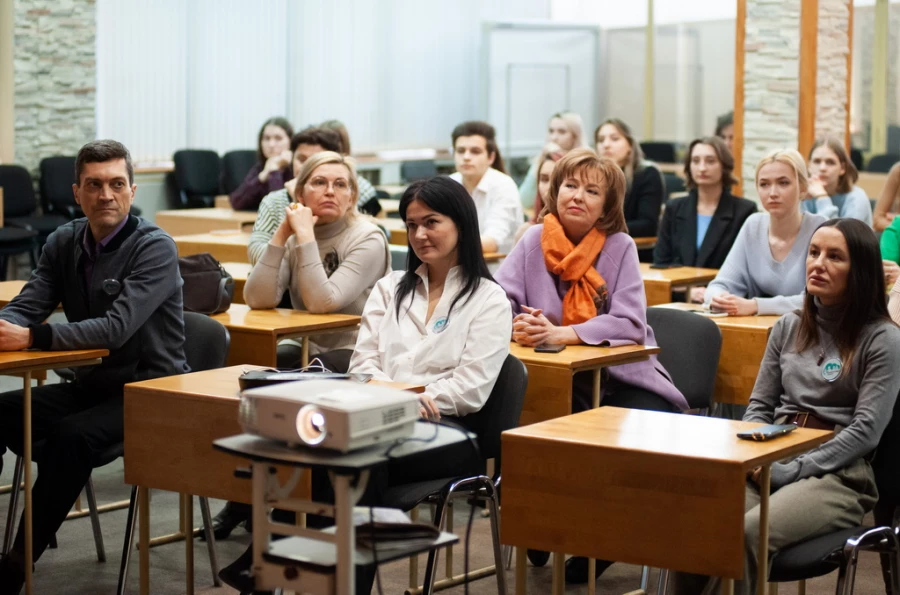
[14, 337]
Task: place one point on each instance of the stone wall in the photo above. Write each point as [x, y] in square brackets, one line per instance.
[55, 78]
[771, 81]
[832, 48]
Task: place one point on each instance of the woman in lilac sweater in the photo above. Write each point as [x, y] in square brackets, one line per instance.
[574, 279]
[272, 169]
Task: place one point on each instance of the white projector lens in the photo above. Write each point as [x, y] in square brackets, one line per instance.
[311, 425]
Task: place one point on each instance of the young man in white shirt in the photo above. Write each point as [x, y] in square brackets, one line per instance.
[479, 168]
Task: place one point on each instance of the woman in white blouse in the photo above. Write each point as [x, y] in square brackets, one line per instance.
[443, 323]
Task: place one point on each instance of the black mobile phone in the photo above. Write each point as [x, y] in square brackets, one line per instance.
[549, 348]
[664, 266]
[763, 433]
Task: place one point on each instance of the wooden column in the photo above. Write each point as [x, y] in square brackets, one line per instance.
[847, 140]
[739, 36]
[649, 74]
[878, 138]
[7, 92]
[809, 35]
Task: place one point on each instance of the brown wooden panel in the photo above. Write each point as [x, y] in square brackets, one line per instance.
[739, 362]
[549, 394]
[809, 37]
[248, 347]
[658, 291]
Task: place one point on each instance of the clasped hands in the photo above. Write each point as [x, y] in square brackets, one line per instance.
[531, 328]
[733, 305]
[298, 220]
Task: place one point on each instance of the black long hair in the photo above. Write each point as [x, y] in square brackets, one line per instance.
[865, 301]
[449, 198]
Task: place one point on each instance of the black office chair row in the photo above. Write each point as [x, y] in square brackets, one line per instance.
[200, 175]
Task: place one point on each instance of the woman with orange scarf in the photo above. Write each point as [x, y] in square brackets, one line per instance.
[574, 279]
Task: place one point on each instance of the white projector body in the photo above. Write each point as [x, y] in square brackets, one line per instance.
[335, 414]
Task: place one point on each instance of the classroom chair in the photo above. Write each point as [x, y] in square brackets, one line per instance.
[856, 158]
[20, 206]
[196, 178]
[882, 163]
[500, 413]
[674, 184]
[399, 254]
[840, 550]
[55, 185]
[410, 171]
[660, 152]
[235, 165]
[15, 241]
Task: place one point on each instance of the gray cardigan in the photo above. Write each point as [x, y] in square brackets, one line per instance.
[133, 306]
[751, 272]
[860, 400]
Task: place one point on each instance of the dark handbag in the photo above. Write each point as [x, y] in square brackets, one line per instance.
[208, 288]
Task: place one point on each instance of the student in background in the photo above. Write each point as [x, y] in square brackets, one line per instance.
[273, 165]
[725, 130]
[890, 194]
[566, 131]
[831, 190]
[479, 168]
[645, 188]
[763, 273]
[831, 365]
[574, 279]
[304, 144]
[368, 201]
[549, 156]
[699, 229]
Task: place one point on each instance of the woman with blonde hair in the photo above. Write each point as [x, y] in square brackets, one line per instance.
[832, 192]
[565, 130]
[763, 273]
[645, 188]
[323, 252]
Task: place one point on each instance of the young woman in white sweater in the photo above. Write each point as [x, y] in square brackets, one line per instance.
[763, 273]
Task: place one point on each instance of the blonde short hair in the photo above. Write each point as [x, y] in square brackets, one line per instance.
[577, 163]
[575, 124]
[790, 157]
[325, 158]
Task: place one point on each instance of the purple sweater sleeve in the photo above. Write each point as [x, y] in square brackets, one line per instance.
[511, 276]
[251, 191]
[625, 322]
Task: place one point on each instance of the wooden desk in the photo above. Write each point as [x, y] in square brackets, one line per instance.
[645, 242]
[9, 290]
[255, 333]
[182, 222]
[872, 182]
[744, 340]
[239, 272]
[222, 202]
[226, 247]
[25, 363]
[664, 490]
[549, 393]
[658, 283]
[170, 424]
[393, 190]
[389, 206]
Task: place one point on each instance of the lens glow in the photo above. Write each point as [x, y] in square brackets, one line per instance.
[311, 425]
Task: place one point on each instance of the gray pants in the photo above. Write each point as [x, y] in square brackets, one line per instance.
[798, 511]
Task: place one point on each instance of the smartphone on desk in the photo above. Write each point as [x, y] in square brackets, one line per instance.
[549, 348]
[763, 433]
[665, 266]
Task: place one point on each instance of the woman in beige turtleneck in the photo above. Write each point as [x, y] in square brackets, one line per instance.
[327, 256]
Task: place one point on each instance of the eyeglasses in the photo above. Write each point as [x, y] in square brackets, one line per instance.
[339, 185]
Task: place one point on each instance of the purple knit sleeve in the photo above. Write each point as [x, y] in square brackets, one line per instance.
[511, 275]
[251, 191]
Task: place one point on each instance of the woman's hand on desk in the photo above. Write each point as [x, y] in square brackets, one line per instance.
[697, 294]
[733, 305]
[531, 328]
[14, 337]
[428, 408]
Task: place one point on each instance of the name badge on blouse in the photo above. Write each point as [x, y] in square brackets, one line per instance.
[111, 287]
[831, 369]
[439, 325]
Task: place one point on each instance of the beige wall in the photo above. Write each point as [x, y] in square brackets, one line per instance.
[7, 121]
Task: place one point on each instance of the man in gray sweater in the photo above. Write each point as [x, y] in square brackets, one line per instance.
[118, 281]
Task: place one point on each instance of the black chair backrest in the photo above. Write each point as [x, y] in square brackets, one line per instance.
[882, 163]
[18, 191]
[674, 183]
[887, 462]
[197, 171]
[206, 342]
[57, 177]
[410, 171]
[856, 158]
[502, 410]
[691, 364]
[659, 151]
[235, 165]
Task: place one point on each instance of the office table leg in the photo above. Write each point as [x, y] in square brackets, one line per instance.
[187, 503]
[521, 570]
[144, 519]
[762, 574]
[345, 498]
[596, 391]
[592, 563]
[26, 464]
[592, 567]
[304, 352]
[727, 586]
[559, 573]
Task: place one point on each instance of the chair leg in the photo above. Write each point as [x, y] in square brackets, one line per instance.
[663, 585]
[494, 505]
[13, 506]
[210, 540]
[95, 519]
[645, 578]
[431, 565]
[841, 586]
[895, 572]
[129, 542]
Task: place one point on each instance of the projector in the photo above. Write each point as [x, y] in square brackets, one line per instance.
[333, 414]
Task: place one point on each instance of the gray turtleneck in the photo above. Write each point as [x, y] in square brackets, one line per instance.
[335, 273]
[860, 400]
